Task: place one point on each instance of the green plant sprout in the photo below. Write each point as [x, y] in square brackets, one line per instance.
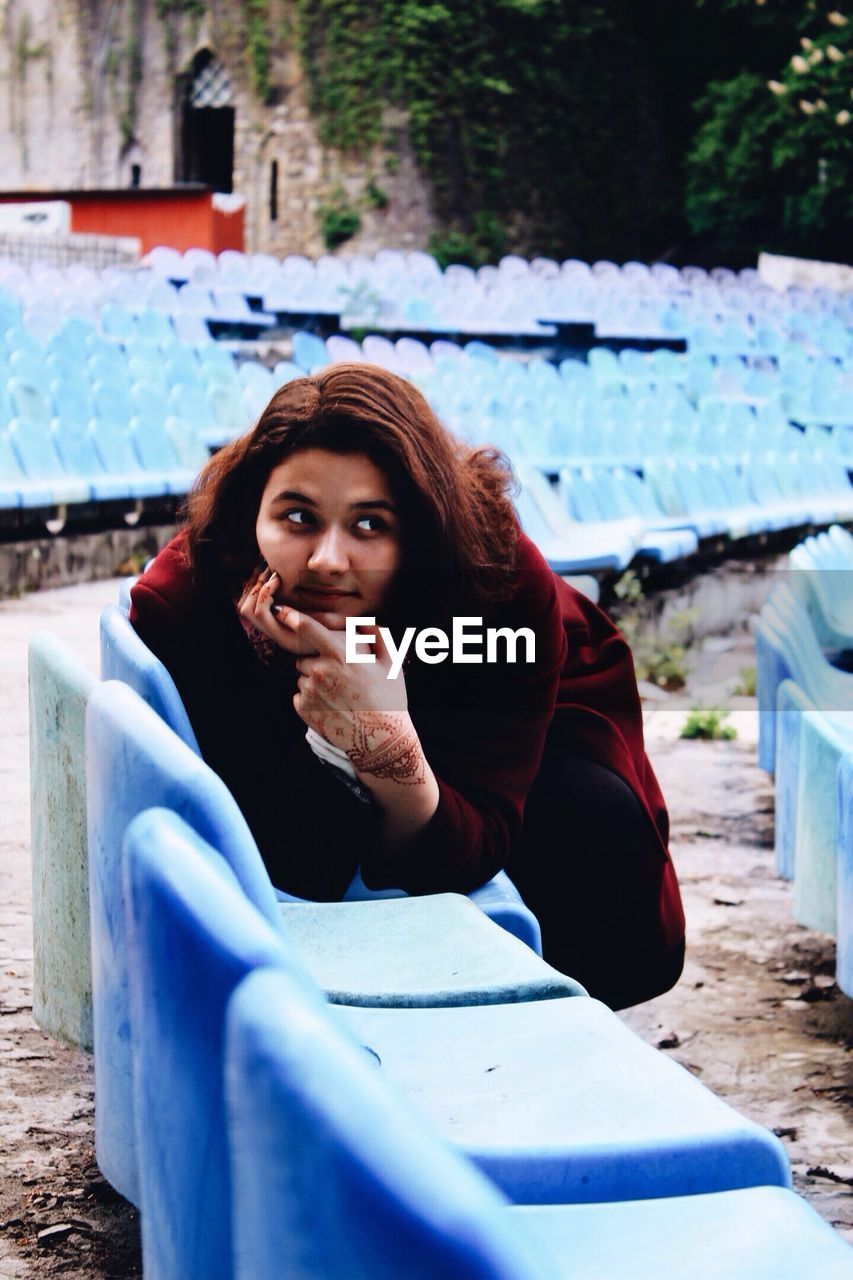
[707, 723]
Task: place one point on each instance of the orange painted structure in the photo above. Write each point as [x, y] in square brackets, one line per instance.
[182, 217]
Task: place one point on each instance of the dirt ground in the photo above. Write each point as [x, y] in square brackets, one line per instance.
[756, 1016]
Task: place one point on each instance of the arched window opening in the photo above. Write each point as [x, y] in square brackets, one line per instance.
[207, 125]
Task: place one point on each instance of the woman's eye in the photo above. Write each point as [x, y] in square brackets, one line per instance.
[371, 524]
[298, 516]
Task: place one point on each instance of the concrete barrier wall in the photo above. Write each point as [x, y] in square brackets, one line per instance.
[63, 561]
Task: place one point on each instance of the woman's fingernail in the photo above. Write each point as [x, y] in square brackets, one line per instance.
[275, 610]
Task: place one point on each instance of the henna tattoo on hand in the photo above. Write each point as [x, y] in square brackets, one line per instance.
[385, 747]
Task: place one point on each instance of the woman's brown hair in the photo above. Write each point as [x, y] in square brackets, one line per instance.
[457, 520]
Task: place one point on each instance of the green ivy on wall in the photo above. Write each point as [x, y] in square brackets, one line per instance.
[499, 126]
[259, 45]
[133, 74]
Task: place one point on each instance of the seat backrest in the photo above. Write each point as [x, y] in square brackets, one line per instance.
[217, 358]
[112, 402]
[36, 450]
[286, 371]
[583, 498]
[153, 446]
[191, 937]
[149, 402]
[59, 688]
[191, 452]
[115, 449]
[639, 494]
[29, 402]
[126, 657]
[333, 1175]
[309, 351]
[76, 448]
[155, 325]
[531, 519]
[182, 368]
[844, 830]
[133, 762]
[12, 477]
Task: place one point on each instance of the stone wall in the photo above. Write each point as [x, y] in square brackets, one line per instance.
[90, 88]
[42, 563]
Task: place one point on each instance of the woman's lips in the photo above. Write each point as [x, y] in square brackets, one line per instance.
[323, 595]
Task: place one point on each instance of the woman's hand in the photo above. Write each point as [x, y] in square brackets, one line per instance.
[355, 706]
[257, 606]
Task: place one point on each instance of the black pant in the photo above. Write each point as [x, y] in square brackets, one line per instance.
[588, 865]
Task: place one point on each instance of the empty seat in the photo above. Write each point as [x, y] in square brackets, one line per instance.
[34, 445]
[59, 688]
[309, 351]
[352, 1142]
[186, 915]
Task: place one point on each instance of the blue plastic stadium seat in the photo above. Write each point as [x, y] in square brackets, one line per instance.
[59, 687]
[115, 449]
[117, 322]
[570, 546]
[844, 828]
[125, 657]
[158, 455]
[16, 488]
[29, 401]
[148, 371]
[134, 760]
[186, 916]
[309, 351]
[35, 448]
[154, 325]
[332, 1172]
[193, 405]
[76, 447]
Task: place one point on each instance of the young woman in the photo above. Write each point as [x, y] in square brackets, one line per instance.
[348, 499]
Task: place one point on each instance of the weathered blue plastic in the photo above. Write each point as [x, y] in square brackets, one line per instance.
[771, 668]
[134, 762]
[824, 741]
[556, 1100]
[419, 952]
[791, 702]
[844, 955]
[191, 935]
[786, 648]
[124, 656]
[336, 1178]
[59, 687]
[559, 1102]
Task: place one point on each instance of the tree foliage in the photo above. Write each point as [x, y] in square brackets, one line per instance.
[598, 128]
[771, 162]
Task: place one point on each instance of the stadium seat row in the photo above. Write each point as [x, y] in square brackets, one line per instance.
[804, 646]
[396, 290]
[196, 294]
[355, 1117]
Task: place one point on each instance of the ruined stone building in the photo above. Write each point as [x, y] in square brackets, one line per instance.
[104, 94]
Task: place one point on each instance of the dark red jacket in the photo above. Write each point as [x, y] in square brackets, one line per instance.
[483, 730]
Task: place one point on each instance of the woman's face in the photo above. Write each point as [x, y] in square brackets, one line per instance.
[329, 527]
